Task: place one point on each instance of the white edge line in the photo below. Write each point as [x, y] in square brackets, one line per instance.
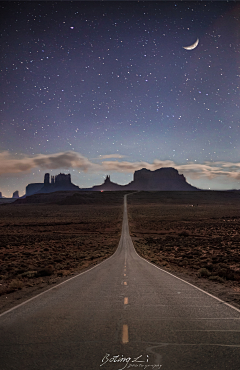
[56, 286]
[220, 300]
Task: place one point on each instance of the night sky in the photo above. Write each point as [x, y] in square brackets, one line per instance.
[99, 88]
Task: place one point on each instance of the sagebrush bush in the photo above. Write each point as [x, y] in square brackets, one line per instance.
[203, 272]
[15, 285]
[217, 278]
[47, 271]
[184, 233]
[29, 274]
[226, 273]
[63, 273]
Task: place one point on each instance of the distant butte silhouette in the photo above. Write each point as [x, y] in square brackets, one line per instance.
[162, 179]
[16, 194]
[60, 182]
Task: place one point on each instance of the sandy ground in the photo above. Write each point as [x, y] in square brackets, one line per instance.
[42, 245]
[195, 236]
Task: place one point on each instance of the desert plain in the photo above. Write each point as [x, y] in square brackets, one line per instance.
[193, 235]
[45, 239]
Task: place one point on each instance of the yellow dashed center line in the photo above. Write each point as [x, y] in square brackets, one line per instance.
[126, 300]
[125, 334]
[125, 283]
[124, 274]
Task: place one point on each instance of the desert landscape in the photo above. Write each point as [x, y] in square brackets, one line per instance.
[194, 235]
[46, 239]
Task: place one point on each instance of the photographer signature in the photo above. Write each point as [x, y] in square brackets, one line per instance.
[129, 362]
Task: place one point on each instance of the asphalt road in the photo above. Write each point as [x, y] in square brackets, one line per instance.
[122, 311]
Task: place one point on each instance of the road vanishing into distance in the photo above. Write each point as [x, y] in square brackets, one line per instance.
[124, 313]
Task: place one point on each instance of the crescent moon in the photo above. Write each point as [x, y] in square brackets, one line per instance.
[193, 46]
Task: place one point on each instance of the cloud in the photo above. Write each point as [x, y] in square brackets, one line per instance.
[193, 170]
[106, 156]
[125, 166]
[10, 164]
[66, 160]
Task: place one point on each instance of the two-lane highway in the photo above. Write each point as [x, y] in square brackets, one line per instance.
[123, 313]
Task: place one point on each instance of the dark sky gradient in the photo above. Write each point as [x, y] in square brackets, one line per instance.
[111, 82]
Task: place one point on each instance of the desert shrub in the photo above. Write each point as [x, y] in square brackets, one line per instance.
[225, 273]
[195, 267]
[196, 253]
[184, 233]
[217, 278]
[203, 272]
[63, 273]
[237, 276]
[230, 275]
[47, 271]
[19, 271]
[150, 240]
[15, 285]
[208, 266]
[58, 259]
[3, 290]
[29, 274]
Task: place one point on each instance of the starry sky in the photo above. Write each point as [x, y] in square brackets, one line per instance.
[106, 88]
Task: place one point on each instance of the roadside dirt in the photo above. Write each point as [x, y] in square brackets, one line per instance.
[42, 245]
[195, 236]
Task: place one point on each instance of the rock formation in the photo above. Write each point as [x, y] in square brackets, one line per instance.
[162, 179]
[59, 182]
[16, 194]
[46, 179]
[33, 188]
[0, 194]
[108, 185]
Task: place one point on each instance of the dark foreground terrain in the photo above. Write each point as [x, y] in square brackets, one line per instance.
[195, 236]
[44, 239]
[42, 244]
